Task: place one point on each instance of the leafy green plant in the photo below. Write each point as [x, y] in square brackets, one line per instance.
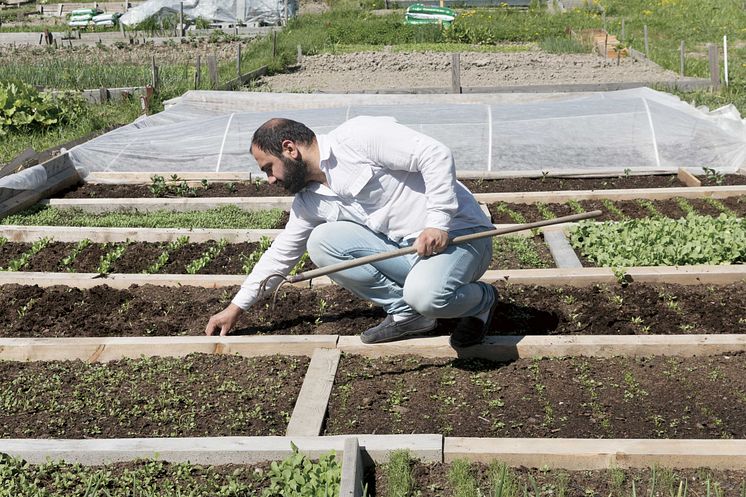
[714, 175]
[516, 217]
[166, 254]
[249, 261]
[613, 209]
[653, 242]
[301, 263]
[203, 260]
[575, 206]
[174, 187]
[23, 107]
[685, 206]
[298, 476]
[18, 263]
[67, 261]
[545, 211]
[110, 257]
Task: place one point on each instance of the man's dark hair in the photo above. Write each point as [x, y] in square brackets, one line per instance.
[269, 136]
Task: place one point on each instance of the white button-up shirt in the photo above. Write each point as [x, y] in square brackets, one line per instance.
[382, 175]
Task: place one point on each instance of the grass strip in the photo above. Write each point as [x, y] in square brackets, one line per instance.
[663, 241]
[226, 217]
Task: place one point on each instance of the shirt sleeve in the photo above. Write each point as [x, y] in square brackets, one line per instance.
[284, 253]
[397, 147]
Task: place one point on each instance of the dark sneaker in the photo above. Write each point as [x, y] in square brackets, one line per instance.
[389, 330]
[472, 330]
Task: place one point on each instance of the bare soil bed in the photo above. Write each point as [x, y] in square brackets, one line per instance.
[619, 210]
[437, 480]
[637, 309]
[263, 189]
[199, 395]
[576, 397]
[370, 71]
[512, 253]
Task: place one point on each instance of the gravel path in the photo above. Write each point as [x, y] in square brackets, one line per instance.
[368, 71]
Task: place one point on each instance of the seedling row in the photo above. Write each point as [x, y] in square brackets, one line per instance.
[609, 309]
[175, 186]
[215, 257]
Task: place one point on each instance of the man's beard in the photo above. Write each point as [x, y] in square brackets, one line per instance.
[296, 174]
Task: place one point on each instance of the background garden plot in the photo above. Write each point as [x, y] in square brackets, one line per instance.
[634, 130]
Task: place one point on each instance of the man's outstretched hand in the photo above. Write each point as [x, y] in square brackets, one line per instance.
[223, 321]
[431, 241]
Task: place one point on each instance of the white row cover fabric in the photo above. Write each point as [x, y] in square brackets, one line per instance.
[249, 11]
[639, 130]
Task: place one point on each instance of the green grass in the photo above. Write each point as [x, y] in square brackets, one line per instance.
[398, 472]
[96, 118]
[563, 44]
[223, 217]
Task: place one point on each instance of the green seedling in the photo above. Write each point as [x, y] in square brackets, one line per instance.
[21, 261]
[79, 247]
[164, 256]
[208, 256]
[109, 258]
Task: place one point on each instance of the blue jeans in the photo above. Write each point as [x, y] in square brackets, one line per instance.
[440, 286]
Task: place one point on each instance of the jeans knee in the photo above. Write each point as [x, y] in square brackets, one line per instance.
[424, 299]
[318, 244]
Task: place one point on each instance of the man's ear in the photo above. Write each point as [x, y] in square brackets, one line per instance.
[289, 147]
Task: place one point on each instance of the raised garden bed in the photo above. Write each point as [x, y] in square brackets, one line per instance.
[217, 257]
[462, 478]
[639, 308]
[182, 188]
[199, 395]
[576, 397]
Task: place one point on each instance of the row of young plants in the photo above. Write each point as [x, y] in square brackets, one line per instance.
[294, 476]
[404, 476]
[662, 241]
[618, 210]
[179, 256]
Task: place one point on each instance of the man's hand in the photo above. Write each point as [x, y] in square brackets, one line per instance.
[224, 320]
[430, 242]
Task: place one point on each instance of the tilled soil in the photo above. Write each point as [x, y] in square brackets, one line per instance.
[619, 210]
[577, 397]
[263, 189]
[434, 480]
[511, 253]
[639, 308]
[199, 395]
[370, 71]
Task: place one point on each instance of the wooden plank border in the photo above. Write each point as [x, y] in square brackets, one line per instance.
[103, 349]
[310, 407]
[352, 470]
[105, 235]
[508, 348]
[578, 277]
[590, 454]
[562, 252]
[216, 450]
[182, 204]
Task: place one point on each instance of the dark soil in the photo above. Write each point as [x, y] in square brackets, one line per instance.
[577, 397]
[247, 189]
[30, 311]
[198, 395]
[432, 480]
[504, 213]
[138, 257]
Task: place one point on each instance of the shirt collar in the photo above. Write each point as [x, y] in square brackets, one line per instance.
[325, 149]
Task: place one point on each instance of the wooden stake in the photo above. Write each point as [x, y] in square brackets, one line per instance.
[121, 30]
[181, 19]
[197, 73]
[238, 60]
[299, 54]
[154, 73]
[456, 72]
[647, 46]
[212, 67]
[623, 34]
[688, 178]
[274, 44]
[712, 50]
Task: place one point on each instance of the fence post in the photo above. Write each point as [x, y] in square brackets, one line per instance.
[182, 31]
[725, 60]
[298, 54]
[154, 73]
[645, 35]
[624, 37]
[712, 50]
[212, 66]
[274, 44]
[238, 61]
[456, 72]
[681, 58]
[198, 73]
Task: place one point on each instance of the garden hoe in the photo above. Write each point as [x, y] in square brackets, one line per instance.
[315, 273]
